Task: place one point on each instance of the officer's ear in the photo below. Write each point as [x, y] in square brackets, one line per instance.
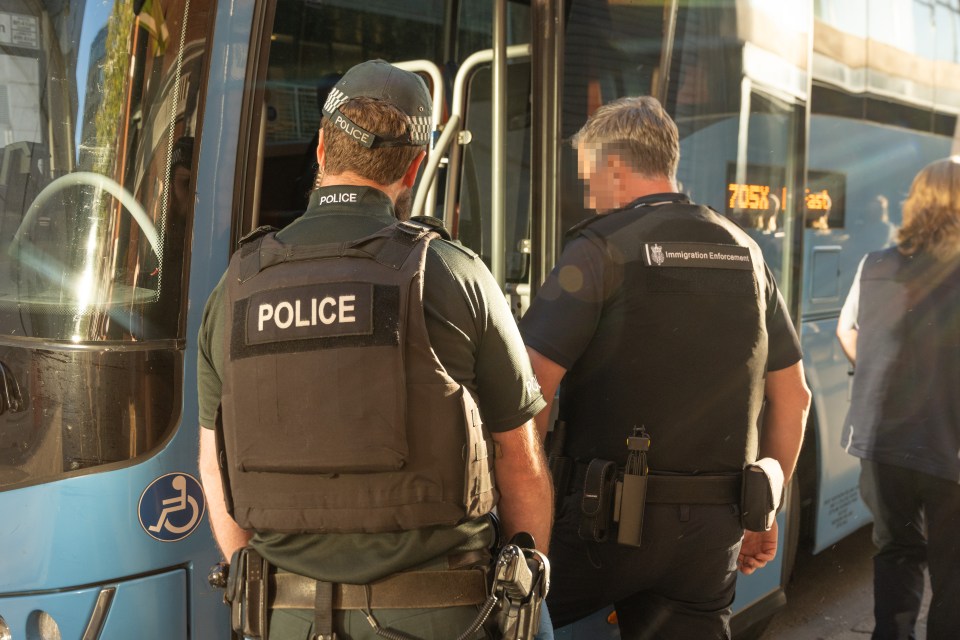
[321, 149]
[410, 177]
[617, 168]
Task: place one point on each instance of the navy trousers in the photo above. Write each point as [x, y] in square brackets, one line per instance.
[916, 525]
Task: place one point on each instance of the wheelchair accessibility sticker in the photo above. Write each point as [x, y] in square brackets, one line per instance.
[171, 507]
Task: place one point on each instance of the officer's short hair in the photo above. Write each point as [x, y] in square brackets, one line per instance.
[637, 129]
[931, 212]
[383, 165]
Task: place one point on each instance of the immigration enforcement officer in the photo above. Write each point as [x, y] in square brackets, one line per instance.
[662, 321]
[356, 463]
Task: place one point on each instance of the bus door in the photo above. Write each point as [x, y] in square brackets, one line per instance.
[307, 48]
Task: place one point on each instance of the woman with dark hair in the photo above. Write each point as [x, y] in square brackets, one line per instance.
[900, 326]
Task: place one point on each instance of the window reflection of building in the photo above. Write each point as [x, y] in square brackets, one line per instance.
[75, 277]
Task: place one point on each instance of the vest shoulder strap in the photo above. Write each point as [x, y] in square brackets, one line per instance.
[434, 224]
[257, 233]
[391, 246]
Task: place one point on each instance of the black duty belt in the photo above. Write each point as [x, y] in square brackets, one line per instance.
[407, 590]
[680, 489]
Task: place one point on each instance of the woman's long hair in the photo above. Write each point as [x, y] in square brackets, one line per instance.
[931, 213]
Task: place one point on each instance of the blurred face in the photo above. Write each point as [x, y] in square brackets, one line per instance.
[601, 186]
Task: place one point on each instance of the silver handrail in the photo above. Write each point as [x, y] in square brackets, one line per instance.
[498, 152]
[436, 78]
[453, 127]
[450, 130]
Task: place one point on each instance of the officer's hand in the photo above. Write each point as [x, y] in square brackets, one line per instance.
[758, 548]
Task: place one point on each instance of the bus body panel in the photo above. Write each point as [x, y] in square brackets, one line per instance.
[73, 537]
[126, 617]
[839, 508]
[86, 531]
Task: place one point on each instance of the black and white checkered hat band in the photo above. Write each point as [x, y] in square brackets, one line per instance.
[334, 99]
[419, 127]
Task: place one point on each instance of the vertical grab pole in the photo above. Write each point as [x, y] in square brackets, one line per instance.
[498, 156]
[666, 53]
[547, 65]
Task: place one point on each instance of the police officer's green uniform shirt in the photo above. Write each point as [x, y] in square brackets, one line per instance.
[474, 336]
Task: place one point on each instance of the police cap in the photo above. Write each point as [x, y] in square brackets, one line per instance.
[381, 80]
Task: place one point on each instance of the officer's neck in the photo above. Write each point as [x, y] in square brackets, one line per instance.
[636, 185]
[351, 179]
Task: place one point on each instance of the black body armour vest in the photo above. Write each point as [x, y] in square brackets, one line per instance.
[905, 406]
[681, 346]
[337, 414]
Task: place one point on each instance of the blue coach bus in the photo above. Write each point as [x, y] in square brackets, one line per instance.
[139, 139]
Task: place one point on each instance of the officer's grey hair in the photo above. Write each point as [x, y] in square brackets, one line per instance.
[637, 129]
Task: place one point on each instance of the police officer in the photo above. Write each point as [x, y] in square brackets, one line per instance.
[375, 395]
[662, 322]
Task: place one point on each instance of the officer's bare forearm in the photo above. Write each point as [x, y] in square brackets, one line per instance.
[526, 493]
[549, 374]
[228, 534]
[788, 402]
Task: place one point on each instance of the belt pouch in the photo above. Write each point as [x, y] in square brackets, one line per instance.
[760, 494]
[234, 592]
[254, 616]
[633, 500]
[597, 500]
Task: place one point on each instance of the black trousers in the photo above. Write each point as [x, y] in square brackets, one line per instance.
[679, 584]
[916, 525]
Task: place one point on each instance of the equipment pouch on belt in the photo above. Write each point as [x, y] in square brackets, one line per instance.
[247, 595]
[631, 499]
[596, 506]
[761, 494]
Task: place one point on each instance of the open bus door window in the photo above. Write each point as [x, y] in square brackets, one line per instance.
[313, 43]
[98, 112]
[475, 203]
